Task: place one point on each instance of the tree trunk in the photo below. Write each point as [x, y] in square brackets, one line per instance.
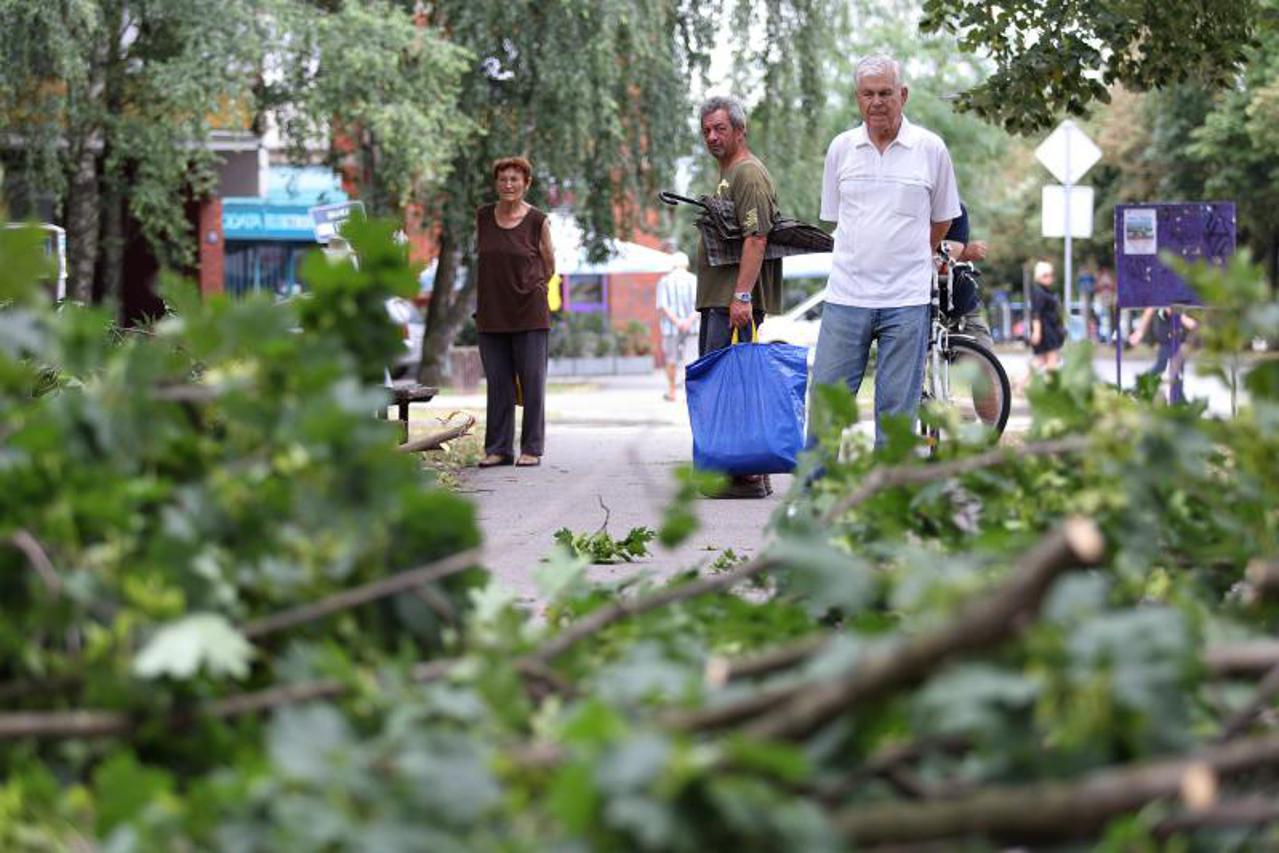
[84, 196]
[446, 311]
[111, 268]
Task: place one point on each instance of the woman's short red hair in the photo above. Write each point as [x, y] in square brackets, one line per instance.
[520, 163]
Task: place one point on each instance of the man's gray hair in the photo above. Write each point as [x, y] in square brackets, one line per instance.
[879, 65]
[727, 103]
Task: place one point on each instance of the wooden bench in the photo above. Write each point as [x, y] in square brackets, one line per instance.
[404, 395]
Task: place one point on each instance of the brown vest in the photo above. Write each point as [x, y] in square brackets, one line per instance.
[510, 290]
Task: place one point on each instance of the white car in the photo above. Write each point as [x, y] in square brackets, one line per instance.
[799, 325]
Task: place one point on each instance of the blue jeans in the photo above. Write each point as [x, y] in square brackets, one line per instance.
[843, 348]
[716, 333]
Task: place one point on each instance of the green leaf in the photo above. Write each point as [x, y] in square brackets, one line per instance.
[633, 764]
[308, 741]
[573, 797]
[821, 576]
[123, 788]
[179, 649]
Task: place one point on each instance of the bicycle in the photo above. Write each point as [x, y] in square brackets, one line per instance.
[962, 378]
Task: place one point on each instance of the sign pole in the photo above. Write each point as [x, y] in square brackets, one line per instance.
[1069, 183]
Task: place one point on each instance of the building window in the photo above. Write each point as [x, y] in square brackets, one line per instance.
[585, 293]
[262, 267]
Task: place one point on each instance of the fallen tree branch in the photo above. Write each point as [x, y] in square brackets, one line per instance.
[86, 723]
[14, 691]
[17, 726]
[36, 555]
[1233, 660]
[991, 619]
[1253, 811]
[39, 560]
[1248, 659]
[887, 763]
[723, 670]
[348, 598]
[725, 714]
[881, 479]
[1045, 812]
[795, 710]
[437, 439]
[914, 475]
[1263, 577]
[1261, 699]
[598, 620]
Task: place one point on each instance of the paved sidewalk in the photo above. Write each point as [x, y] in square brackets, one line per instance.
[614, 442]
[611, 442]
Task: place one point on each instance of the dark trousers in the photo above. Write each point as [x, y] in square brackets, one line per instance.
[506, 355]
[716, 333]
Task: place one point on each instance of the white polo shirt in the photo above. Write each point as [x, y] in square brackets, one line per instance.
[883, 205]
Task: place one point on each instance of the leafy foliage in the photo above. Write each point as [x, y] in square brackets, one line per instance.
[594, 92]
[888, 673]
[601, 547]
[1047, 55]
[116, 104]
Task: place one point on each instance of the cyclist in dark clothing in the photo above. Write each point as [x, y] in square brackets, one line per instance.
[959, 248]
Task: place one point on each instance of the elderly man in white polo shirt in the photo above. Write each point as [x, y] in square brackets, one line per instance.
[890, 188]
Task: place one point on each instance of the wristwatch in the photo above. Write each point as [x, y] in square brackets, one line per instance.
[743, 297]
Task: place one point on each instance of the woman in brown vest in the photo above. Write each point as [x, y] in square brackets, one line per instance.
[515, 262]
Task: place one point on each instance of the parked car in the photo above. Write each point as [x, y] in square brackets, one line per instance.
[797, 326]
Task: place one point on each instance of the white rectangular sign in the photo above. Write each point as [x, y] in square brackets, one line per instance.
[1141, 235]
[1054, 211]
[328, 218]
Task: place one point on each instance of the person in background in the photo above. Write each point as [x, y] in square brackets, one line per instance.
[736, 297]
[1085, 287]
[959, 247]
[515, 261]
[1047, 331]
[678, 318]
[1159, 321]
[1104, 305]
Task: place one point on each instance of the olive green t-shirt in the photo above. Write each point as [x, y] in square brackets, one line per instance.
[750, 187]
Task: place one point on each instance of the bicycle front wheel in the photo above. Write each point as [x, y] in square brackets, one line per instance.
[972, 383]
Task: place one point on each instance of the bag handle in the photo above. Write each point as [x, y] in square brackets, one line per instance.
[754, 333]
[673, 199]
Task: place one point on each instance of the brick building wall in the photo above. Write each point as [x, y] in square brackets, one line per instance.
[633, 296]
[212, 246]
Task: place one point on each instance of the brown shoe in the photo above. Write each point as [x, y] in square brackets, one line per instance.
[493, 460]
[743, 486]
[528, 461]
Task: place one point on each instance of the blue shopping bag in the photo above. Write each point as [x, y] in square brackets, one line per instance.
[746, 407]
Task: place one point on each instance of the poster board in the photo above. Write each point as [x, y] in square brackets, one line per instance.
[1192, 231]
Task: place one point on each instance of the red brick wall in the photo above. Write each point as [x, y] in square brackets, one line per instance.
[212, 246]
[633, 296]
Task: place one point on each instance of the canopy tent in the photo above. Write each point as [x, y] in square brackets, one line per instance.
[571, 256]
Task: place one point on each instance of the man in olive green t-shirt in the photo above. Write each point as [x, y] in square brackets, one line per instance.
[730, 297]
